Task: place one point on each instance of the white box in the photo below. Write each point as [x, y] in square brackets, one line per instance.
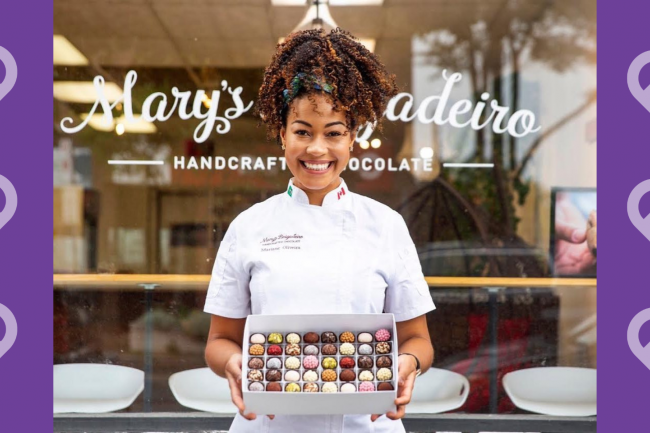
[303, 403]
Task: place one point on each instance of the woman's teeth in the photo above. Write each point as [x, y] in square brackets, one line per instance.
[317, 167]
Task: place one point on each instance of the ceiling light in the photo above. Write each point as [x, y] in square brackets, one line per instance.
[84, 91]
[67, 54]
[318, 17]
[364, 144]
[375, 143]
[119, 129]
[426, 153]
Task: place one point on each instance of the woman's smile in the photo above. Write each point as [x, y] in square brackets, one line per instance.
[317, 167]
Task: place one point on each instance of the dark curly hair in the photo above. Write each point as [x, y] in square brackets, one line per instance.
[361, 85]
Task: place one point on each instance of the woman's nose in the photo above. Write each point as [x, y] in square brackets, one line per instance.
[317, 146]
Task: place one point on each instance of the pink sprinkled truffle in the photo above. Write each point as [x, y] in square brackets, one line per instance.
[366, 387]
[382, 335]
[310, 362]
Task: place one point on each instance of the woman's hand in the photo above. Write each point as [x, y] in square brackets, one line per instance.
[234, 376]
[406, 379]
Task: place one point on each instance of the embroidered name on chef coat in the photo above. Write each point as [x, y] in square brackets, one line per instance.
[281, 242]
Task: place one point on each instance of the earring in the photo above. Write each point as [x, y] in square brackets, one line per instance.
[283, 148]
[351, 147]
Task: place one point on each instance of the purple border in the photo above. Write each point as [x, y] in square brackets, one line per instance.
[624, 253]
[25, 242]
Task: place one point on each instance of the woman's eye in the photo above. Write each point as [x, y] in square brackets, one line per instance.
[301, 132]
[335, 134]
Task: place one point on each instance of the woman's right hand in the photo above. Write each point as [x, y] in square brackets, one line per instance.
[233, 374]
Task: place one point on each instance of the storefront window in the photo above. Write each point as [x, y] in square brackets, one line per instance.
[489, 154]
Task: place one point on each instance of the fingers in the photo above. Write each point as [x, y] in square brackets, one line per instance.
[570, 233]
[405, 390]
[271, 416]
[374, 417]
[401, 411]
[237, 398]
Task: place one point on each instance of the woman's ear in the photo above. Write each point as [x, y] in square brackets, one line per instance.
[282, 136]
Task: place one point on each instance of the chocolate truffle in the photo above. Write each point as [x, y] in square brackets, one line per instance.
[385, 386]
[347, 349]
[365, 349]
[256, 363]
[255, 375]
[384, 361]
[347, 337]
[275, 338]
[258, 339]
[365, 362]
[346, 362]
[347, 375]
[310, 362]
[292, 387]
[329, 349]
[292, 349]
[274, 350]
[256, 349]
[382, 335]
[310, 387]
[383, 347]
[292, 376]
[365, 337]
[273, 375]
[310, 350]
[330, 387]
[255, 386]
[328, 375]
[384, 374]
[292, 363]
[274, 386]
[348, 387]
[366, 387]
[293, 338]
[310, 376]
[310, 337]
[328, 337]
[329, 363]
[273, 363]
[366, 375]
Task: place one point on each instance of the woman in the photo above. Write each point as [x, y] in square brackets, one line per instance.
[317, 247]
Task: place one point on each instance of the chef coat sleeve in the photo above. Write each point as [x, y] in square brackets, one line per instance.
[229, 292]
[407, 294]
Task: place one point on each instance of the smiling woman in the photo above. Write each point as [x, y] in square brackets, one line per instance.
[317, 91]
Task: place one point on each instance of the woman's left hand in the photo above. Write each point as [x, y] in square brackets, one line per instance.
[406, 379]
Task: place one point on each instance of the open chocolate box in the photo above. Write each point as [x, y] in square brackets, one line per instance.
[265, 402]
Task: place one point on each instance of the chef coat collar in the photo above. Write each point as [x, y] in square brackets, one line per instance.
[338, 197]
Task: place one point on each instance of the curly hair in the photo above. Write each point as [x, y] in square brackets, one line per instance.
[361, 85]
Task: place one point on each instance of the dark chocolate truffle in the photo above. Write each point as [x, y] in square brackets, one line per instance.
[329, 349]
[274, 386]
[328, 337]
[347, 375]
[365, 362]
[346, 362]
[310, 338]
[273, 375]
[385, 386]
[384, 361]
[256, 363]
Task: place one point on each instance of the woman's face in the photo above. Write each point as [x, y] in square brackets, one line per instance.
[317, 143]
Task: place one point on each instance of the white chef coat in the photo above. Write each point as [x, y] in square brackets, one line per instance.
[285, 256]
